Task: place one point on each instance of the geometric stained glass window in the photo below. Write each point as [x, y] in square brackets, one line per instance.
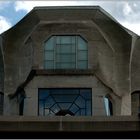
[65, 101]
[65, 52]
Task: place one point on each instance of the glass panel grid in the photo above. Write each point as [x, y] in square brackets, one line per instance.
[76, 101]
[66, 49]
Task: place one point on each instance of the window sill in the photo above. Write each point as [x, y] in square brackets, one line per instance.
[65, 72]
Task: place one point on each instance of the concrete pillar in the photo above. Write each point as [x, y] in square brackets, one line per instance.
[98, 106]
[126, 105]
[31, 103]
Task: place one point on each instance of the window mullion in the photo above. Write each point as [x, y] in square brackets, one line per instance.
[55, 47]
[76, 47]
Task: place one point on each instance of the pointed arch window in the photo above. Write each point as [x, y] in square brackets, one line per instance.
[66, 52]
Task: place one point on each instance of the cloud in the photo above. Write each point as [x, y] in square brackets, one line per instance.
[135, 27]
[28, 5]
[3, 4]
[125, 12]
[4, 24]
[127, 9]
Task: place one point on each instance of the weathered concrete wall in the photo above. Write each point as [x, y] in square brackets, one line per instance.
[99, 91]
[135, 66]
[109, 48]
[69, 124]
[1, 67]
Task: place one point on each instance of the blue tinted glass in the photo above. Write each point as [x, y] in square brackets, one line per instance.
[65, 58]
[43, 94]
[68, 49]
[80, 102]
[58, 39]
[49, 55]
[82, 44]
[74, 108]
[82, 55]
[88, 106]
[82, 64]
[41, 107]
[75, 100]
[49, 64]
[65, 65]
[85, 93]
[49, 45]
[64, 97]
[64, 106]
[55, 108]
[66, 40]
[49, 101]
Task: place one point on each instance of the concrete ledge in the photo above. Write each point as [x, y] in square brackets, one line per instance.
[65, 72]
[69, 124]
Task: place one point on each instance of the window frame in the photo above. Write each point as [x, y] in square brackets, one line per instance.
[78, 88]
[77, 61]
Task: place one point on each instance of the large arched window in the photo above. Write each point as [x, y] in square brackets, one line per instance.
[66, 52]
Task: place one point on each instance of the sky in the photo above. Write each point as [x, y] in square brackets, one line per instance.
[126, 12]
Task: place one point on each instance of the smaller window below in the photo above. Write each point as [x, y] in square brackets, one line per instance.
[1, 102]
[108, 106]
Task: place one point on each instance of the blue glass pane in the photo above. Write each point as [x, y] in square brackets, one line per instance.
[82, 44]
[65, 65]
[64, 97]
[49, 102]
[66, 39]
[78, 113]
[41, 108]
[66, 49]
[55, 108]
[65, 58]
[64, 106]
[85, 93]
[80, 102]
[82, 55]
[46, 111]
[64, 91]
[73, 38]
[58, 39]
[74, 108]
[83, 112]
[88, 107]
[49, 64]
[49, 55]
[43, 94]
[82, 64]
[49, 45]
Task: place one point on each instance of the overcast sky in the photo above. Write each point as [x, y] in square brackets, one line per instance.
[125, 12]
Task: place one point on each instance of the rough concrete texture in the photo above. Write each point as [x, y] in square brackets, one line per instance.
[113, 51]
[69, 124]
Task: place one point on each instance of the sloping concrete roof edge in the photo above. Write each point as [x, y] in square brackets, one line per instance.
[72, 8]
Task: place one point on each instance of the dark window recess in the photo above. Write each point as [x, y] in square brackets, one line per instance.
[135, 103]
[21, 101]
[110, 107]
[64, 101]
[1, 102]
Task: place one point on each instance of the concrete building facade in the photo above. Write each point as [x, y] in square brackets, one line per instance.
[101, 71]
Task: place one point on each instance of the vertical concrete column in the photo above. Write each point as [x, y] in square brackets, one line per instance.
[126, 105]
[11, 106]
[31, 102]
[98, 106]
